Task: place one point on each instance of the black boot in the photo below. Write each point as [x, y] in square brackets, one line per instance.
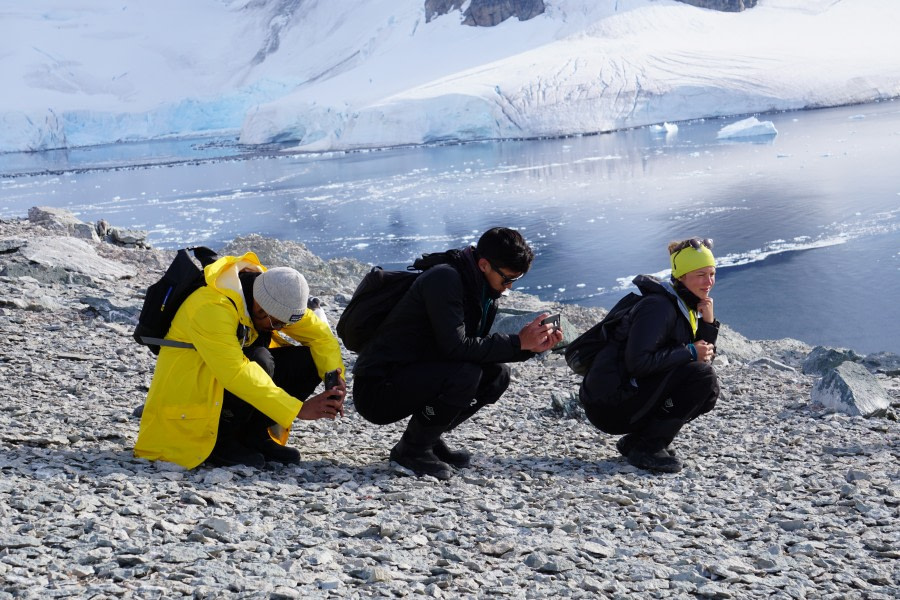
[415, 450]
[257, 437]
[668, 432]
[458, 459]
[461, 458]
[275, 452]
[626, 442]
[648, 448]
[230, 448]
[228, 453]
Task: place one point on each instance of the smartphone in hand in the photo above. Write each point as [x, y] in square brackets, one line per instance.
[552, 320]
[332, 380]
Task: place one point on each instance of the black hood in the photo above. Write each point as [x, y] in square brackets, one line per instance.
[648, 284]
[465, 261]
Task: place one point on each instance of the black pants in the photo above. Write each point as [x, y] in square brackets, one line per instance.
[291, 368]
[683, 394]
[443, 393]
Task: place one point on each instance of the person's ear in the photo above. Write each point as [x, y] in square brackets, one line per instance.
[484, 265]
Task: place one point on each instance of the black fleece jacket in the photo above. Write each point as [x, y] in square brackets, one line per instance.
[445, 316]
[658, 331]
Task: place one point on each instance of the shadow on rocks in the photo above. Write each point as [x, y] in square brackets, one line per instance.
[88, 462]
[527, 466]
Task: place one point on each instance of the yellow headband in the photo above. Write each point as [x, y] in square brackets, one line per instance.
[690, 259]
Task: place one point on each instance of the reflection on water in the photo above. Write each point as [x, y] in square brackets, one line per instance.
[805, 223]
[111, 156]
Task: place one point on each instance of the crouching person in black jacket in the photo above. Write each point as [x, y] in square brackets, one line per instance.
[657, 374]
[433, 359]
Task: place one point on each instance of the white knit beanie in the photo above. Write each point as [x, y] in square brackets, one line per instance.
[282, 292]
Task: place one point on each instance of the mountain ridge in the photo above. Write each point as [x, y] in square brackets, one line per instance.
[380, 73]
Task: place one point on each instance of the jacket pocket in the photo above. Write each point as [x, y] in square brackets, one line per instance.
[184, 412]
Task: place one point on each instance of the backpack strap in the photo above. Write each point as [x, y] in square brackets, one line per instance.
[243, 332]
[152, 341]
[204, 255]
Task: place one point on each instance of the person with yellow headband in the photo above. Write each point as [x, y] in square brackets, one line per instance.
[657, 373]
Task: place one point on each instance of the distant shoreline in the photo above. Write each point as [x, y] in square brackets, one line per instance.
[287, 149]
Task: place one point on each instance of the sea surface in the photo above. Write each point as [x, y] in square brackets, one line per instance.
[806, 222]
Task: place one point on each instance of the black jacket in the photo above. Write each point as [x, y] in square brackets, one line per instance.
[650, 341]
[445, 316]
[659, 332]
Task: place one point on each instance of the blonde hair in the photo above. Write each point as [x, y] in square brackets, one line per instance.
[680, 244]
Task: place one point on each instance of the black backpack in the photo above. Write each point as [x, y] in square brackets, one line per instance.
[376, 296]
[581, 352]
[164, 297]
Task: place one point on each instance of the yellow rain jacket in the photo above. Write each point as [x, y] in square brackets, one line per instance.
[181, 415]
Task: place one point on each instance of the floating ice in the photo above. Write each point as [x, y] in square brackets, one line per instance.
[751, 127]
[667, 129]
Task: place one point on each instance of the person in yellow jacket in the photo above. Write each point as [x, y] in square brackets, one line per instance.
[258, 354]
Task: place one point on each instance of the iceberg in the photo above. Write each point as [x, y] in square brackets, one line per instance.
[750, 127]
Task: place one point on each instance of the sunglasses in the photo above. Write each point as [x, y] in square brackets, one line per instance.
[506, 279]
[273, 323]
[695, 244]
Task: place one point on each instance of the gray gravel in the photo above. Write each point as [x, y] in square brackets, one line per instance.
[779, 499]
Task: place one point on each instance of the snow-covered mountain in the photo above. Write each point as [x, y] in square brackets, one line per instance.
[342, 74]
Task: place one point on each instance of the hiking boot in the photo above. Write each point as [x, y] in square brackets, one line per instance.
[658, 461]
[254, 433]
[275, 452]
[626, 443]
[231, 453]
[458, 459]
[420, 461]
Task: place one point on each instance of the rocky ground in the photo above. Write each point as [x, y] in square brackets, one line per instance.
[779, 499]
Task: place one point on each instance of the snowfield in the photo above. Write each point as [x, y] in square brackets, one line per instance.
[352, 74]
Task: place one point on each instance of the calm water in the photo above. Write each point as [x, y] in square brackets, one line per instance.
[806, 223]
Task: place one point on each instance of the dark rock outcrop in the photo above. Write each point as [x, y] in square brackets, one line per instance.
[722, 5]
[883, 362]
[486, 13]
[822, 359]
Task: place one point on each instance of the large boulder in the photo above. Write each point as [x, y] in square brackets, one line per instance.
[338, 276]
[510, 321]
[822, 359]
[62, 221]
[75, 255]
[736, 347]
[851, 389]
[132, 238]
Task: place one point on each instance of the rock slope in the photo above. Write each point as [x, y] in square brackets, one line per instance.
[779, 499]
